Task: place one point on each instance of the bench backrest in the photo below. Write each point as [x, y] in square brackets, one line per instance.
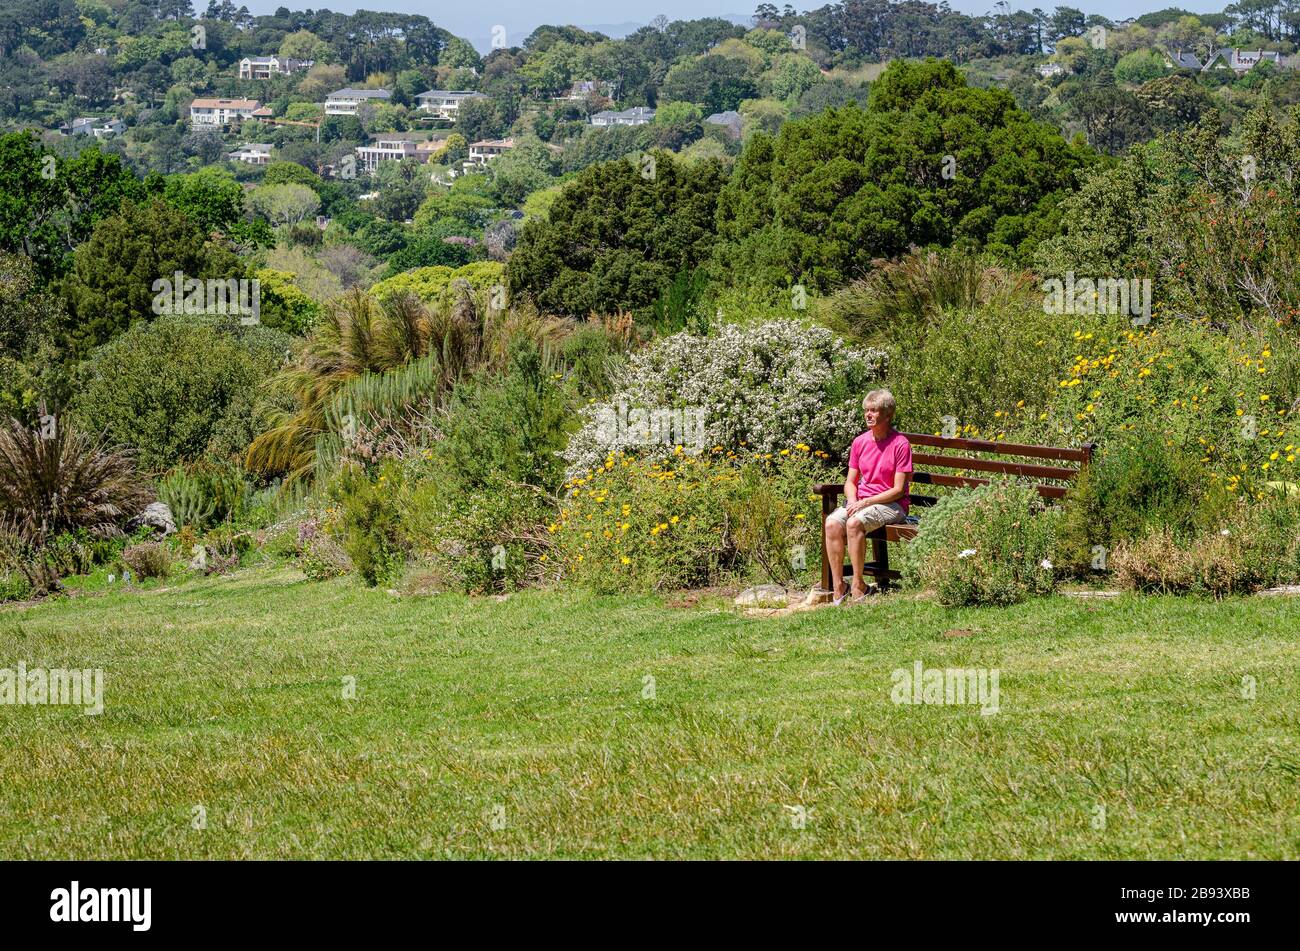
[923, 461]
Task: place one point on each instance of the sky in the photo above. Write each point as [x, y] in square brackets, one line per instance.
[475, 20]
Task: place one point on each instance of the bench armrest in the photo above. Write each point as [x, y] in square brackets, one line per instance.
[826, 488]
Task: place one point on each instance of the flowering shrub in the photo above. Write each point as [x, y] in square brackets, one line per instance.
[638, 525]
[1205, 393]
[759, 388]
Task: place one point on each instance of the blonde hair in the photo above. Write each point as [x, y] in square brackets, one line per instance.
[882, 400]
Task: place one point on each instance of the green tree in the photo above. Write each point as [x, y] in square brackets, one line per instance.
[168, 388]
[211, 198]
[112, 281]
[618, 235]
[931, 161]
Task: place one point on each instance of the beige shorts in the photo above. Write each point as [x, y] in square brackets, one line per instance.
[871, 517]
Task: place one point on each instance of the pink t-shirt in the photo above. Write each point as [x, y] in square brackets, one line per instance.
[878, 460]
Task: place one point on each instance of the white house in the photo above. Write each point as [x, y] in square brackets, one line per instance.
[220, 112]
[1047, 70]
[89, 125]
[346, 102]
[264, 67]
[255, 153]
[484, 151]
[388, 150]
[637, 115]
[445, 103]
[583, 89]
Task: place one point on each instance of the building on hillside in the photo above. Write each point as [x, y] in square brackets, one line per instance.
[264, 67]
[221, 112]
[346, 102]
[637, 115]
[729, 120]
[388, 149]
[445, 103]
[97, 128]
[1048, 70]
[583, 90]
[255, 153]
[1239, 61]
[484, 151]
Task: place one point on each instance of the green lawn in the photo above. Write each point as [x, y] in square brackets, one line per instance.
[518, 728]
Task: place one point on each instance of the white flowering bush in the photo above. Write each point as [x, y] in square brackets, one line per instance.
[758, 388]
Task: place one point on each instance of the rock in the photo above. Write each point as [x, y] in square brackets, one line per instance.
[764, 595]
[156, 516]
[1284, 590]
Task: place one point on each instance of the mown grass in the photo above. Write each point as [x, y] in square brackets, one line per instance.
[518, 728]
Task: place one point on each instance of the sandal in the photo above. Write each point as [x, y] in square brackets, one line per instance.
[836, 602]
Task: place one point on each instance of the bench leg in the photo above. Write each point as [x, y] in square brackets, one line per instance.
[880, 555]
[828, 582]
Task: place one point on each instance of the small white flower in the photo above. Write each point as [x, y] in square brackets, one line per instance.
[1225, 532]
[1046, 563]
[966, 553]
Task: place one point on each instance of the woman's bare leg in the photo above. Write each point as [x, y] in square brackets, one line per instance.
[835, 540]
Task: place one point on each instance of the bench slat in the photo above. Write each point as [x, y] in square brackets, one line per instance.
[1083, 454]
[1024, 469]
[970, 482]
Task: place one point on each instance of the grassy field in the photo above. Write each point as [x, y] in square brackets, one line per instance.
[525, 727]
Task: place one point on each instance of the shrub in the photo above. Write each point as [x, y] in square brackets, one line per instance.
[203, 494]
[148, 560]
[1216, 564]
[990, 546]
[59, 480]
[756, 388]
[167, 388]
[14, 587]
[369, 525]
[512, 427]
[478, 539]
[640, 525]
[1138, 483]
[958, 366]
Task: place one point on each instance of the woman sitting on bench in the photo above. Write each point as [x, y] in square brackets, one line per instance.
[880, 469]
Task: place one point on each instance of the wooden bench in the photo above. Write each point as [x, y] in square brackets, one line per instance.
[1052, 491]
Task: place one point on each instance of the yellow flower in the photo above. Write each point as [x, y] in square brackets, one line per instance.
[626, 560]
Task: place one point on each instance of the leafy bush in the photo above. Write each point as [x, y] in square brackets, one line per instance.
[481, 538]
[167, 388]
[990, 546]
[512, 427]
[369, 524]
[148, 560]
[14, 587]
[756, 388]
